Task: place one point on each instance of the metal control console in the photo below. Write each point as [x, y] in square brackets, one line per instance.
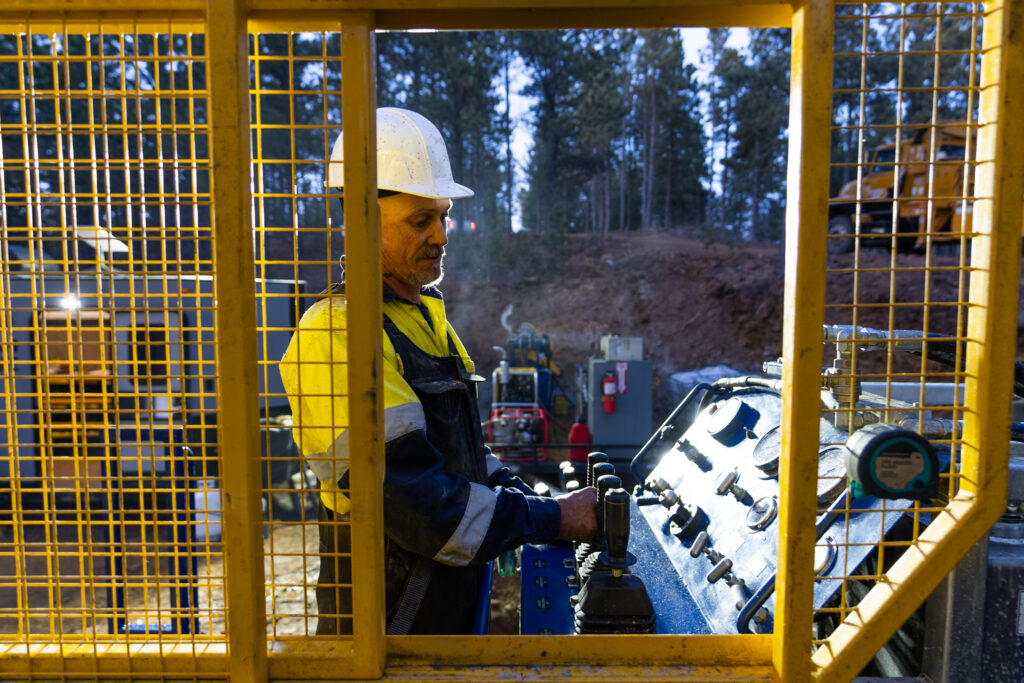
[711, 503]
[703, 522]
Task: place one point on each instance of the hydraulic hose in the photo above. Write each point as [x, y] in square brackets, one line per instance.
[740, 382]
[696, 392]
[945, 352]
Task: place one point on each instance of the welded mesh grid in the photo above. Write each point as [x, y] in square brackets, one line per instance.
[108, 427]
[905, 111]
[295, 103]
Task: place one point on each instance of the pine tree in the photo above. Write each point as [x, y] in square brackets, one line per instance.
[551, 202]
[450, 78]
[718, 58]
[758, 161]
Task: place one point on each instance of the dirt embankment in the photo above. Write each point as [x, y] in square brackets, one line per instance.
[693, 303]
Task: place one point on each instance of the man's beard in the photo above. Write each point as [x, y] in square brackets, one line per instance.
[428, 279]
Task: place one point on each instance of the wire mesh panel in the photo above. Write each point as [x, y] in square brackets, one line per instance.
[118, 485]
[905, 112]
[109, 423]
[296, 115]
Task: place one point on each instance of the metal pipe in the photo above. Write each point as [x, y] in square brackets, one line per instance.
[749, 381]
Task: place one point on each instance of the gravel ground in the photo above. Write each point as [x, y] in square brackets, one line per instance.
[66, 584]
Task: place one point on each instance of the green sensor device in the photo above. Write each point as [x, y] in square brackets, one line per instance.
[887, 461]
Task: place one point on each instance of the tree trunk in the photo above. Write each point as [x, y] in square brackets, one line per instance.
[725, 176]
[509, 161]
[650, 121]
[623, 177]
[667, 212]
[755, 191]
[607, 202]
[591, 208]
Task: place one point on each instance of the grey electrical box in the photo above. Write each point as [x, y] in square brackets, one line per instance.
[630, 424]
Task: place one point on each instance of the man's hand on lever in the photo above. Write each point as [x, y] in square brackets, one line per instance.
[579, 518]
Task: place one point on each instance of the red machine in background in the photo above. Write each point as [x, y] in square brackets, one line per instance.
[517, 416]
[530, 419]
[523, 397]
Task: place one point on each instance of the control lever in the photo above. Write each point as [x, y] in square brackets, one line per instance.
[691, 452]
[739, 590]
[592, 460]
[616, 523]
[721, 568]
[595, 461]
[726, 483]
[586, 555]
[658, 485]
[699, 544]
[668, 498]
[615, 602]
[605, 478]
[605, 483]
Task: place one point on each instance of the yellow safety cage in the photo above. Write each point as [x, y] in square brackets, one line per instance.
[129, 411]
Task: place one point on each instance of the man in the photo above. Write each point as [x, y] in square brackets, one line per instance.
[449, 505]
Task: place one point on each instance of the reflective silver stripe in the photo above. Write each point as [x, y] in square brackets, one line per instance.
[493, 464]
[332, 464]
[399, 420]
[462, 546]
[404, 418]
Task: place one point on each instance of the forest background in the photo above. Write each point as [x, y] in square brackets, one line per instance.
[627, 133]
[651, 200]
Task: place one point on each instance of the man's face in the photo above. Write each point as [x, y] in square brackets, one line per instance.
[413, 235]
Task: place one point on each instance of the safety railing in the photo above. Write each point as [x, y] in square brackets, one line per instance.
[166, 225]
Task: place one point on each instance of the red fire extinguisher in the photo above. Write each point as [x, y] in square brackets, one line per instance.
[608, 392]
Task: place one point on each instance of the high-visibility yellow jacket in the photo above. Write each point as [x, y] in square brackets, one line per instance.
[456, 522]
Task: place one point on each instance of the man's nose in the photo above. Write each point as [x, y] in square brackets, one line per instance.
[439, 232]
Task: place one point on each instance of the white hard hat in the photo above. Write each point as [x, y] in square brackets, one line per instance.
[411, 157]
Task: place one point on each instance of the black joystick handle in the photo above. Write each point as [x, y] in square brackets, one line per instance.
[605, 483]
[602, 469]
[616, 521]
[592, 460]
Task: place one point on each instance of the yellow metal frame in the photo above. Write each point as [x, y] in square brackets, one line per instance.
[995, 272]
[369, 654]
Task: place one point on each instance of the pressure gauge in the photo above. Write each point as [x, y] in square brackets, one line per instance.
[762, 513]
[825, 552]
[726, 419]
[887, 461]
[831, 474]
[766, 452]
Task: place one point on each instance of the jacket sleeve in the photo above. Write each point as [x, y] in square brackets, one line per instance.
[442, 515]
[499, 475]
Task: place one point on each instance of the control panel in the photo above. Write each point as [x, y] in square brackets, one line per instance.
[688, 539]
[712, 499]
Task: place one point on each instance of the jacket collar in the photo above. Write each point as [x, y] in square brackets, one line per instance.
[390, 295]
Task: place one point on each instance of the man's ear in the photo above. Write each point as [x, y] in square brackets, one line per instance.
[337, 206]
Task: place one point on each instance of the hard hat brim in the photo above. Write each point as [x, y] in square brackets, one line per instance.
[442, 190]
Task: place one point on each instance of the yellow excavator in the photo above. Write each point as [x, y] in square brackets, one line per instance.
[918, 188]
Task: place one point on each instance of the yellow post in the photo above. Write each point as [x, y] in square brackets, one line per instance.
[991, 346]
[804, 297]
[363, 292]
[237, 386]
[995, 253]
